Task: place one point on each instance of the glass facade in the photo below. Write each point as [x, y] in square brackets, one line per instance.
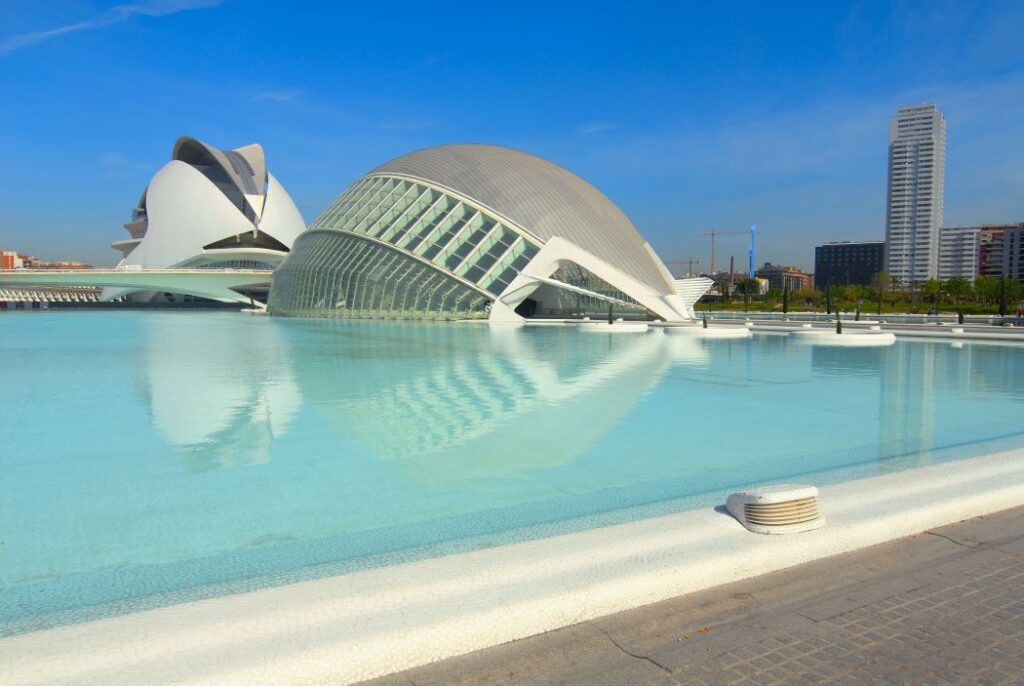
[235, 264]
[570, 305]
[435, 226]
[391, 247]
[336, 274]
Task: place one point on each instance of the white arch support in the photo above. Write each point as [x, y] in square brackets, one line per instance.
[671, 307]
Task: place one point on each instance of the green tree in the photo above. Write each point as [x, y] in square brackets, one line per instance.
[894, 285]
[880, 282]
[932, 289]
[957, 290]
[986, 288]
[809, 296]
[785, 296]
[853, 293]
[747, 287]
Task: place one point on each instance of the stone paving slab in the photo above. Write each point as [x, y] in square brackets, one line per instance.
[943, 607]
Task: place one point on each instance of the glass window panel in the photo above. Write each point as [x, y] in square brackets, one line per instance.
[334, 274]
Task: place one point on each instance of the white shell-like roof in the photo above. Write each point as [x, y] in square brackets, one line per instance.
[541, 197]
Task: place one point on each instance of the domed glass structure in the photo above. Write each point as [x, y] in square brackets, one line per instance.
[469, 232]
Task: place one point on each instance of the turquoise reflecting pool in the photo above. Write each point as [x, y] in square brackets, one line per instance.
[150, 457]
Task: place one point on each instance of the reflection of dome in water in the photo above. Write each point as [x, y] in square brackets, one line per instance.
[491, 402]
[202, 402]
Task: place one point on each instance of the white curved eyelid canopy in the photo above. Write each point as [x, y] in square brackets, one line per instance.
[209, 207]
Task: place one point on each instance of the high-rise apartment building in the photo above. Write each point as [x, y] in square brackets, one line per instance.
[1013, 253]
[917, 171]
[959, 252]
[966, 252]
[990, 251]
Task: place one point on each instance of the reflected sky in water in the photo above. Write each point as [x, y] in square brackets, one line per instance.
[152, 456]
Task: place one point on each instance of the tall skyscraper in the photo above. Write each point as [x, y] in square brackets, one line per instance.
[917, 173]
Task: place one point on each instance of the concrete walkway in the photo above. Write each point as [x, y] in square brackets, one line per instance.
[945, 606]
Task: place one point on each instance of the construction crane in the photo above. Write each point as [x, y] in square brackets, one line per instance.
[688, 261]
[711, 269]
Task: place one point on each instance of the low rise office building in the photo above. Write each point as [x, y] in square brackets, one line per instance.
[781, 277]
[848, 262]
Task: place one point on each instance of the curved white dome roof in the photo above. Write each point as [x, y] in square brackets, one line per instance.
[540, 197]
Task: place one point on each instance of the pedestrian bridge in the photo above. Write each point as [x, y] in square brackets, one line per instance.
[215, 284]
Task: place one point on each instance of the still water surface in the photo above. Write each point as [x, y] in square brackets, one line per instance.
[152, 457]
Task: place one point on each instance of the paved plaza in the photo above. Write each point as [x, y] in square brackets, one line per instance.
[943, 607]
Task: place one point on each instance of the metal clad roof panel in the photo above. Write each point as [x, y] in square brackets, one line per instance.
[539, 196]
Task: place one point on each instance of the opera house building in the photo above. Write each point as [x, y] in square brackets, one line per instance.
[475, 232]
[208, 209]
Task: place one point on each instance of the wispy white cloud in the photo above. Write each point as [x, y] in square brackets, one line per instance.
[283, 95]
[595, 127]
[119, 13]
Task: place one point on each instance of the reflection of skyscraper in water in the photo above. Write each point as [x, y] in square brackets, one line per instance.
[846, 362]
[907, 405]
[219, 413]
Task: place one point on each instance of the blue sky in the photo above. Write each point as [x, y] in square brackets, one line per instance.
[690, 116]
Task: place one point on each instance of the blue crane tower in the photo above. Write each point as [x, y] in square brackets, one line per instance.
[750, 267]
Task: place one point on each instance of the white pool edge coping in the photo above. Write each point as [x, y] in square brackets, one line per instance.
[345, 629]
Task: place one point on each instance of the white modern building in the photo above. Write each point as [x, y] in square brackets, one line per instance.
[476, 232]
[209, 209]
[967, 252]
[917, 171]
[959, 252]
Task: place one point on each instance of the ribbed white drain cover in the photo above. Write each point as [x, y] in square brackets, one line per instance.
[781, 509]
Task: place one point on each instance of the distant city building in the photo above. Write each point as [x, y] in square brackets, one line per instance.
[780, 277]
[36, 263]
[11, 260]
[725, 282]
[14, 260]
[917, 171]
[848, 262]
[990, 251]
[1013, 253]
[959, 252]
[966, 252]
